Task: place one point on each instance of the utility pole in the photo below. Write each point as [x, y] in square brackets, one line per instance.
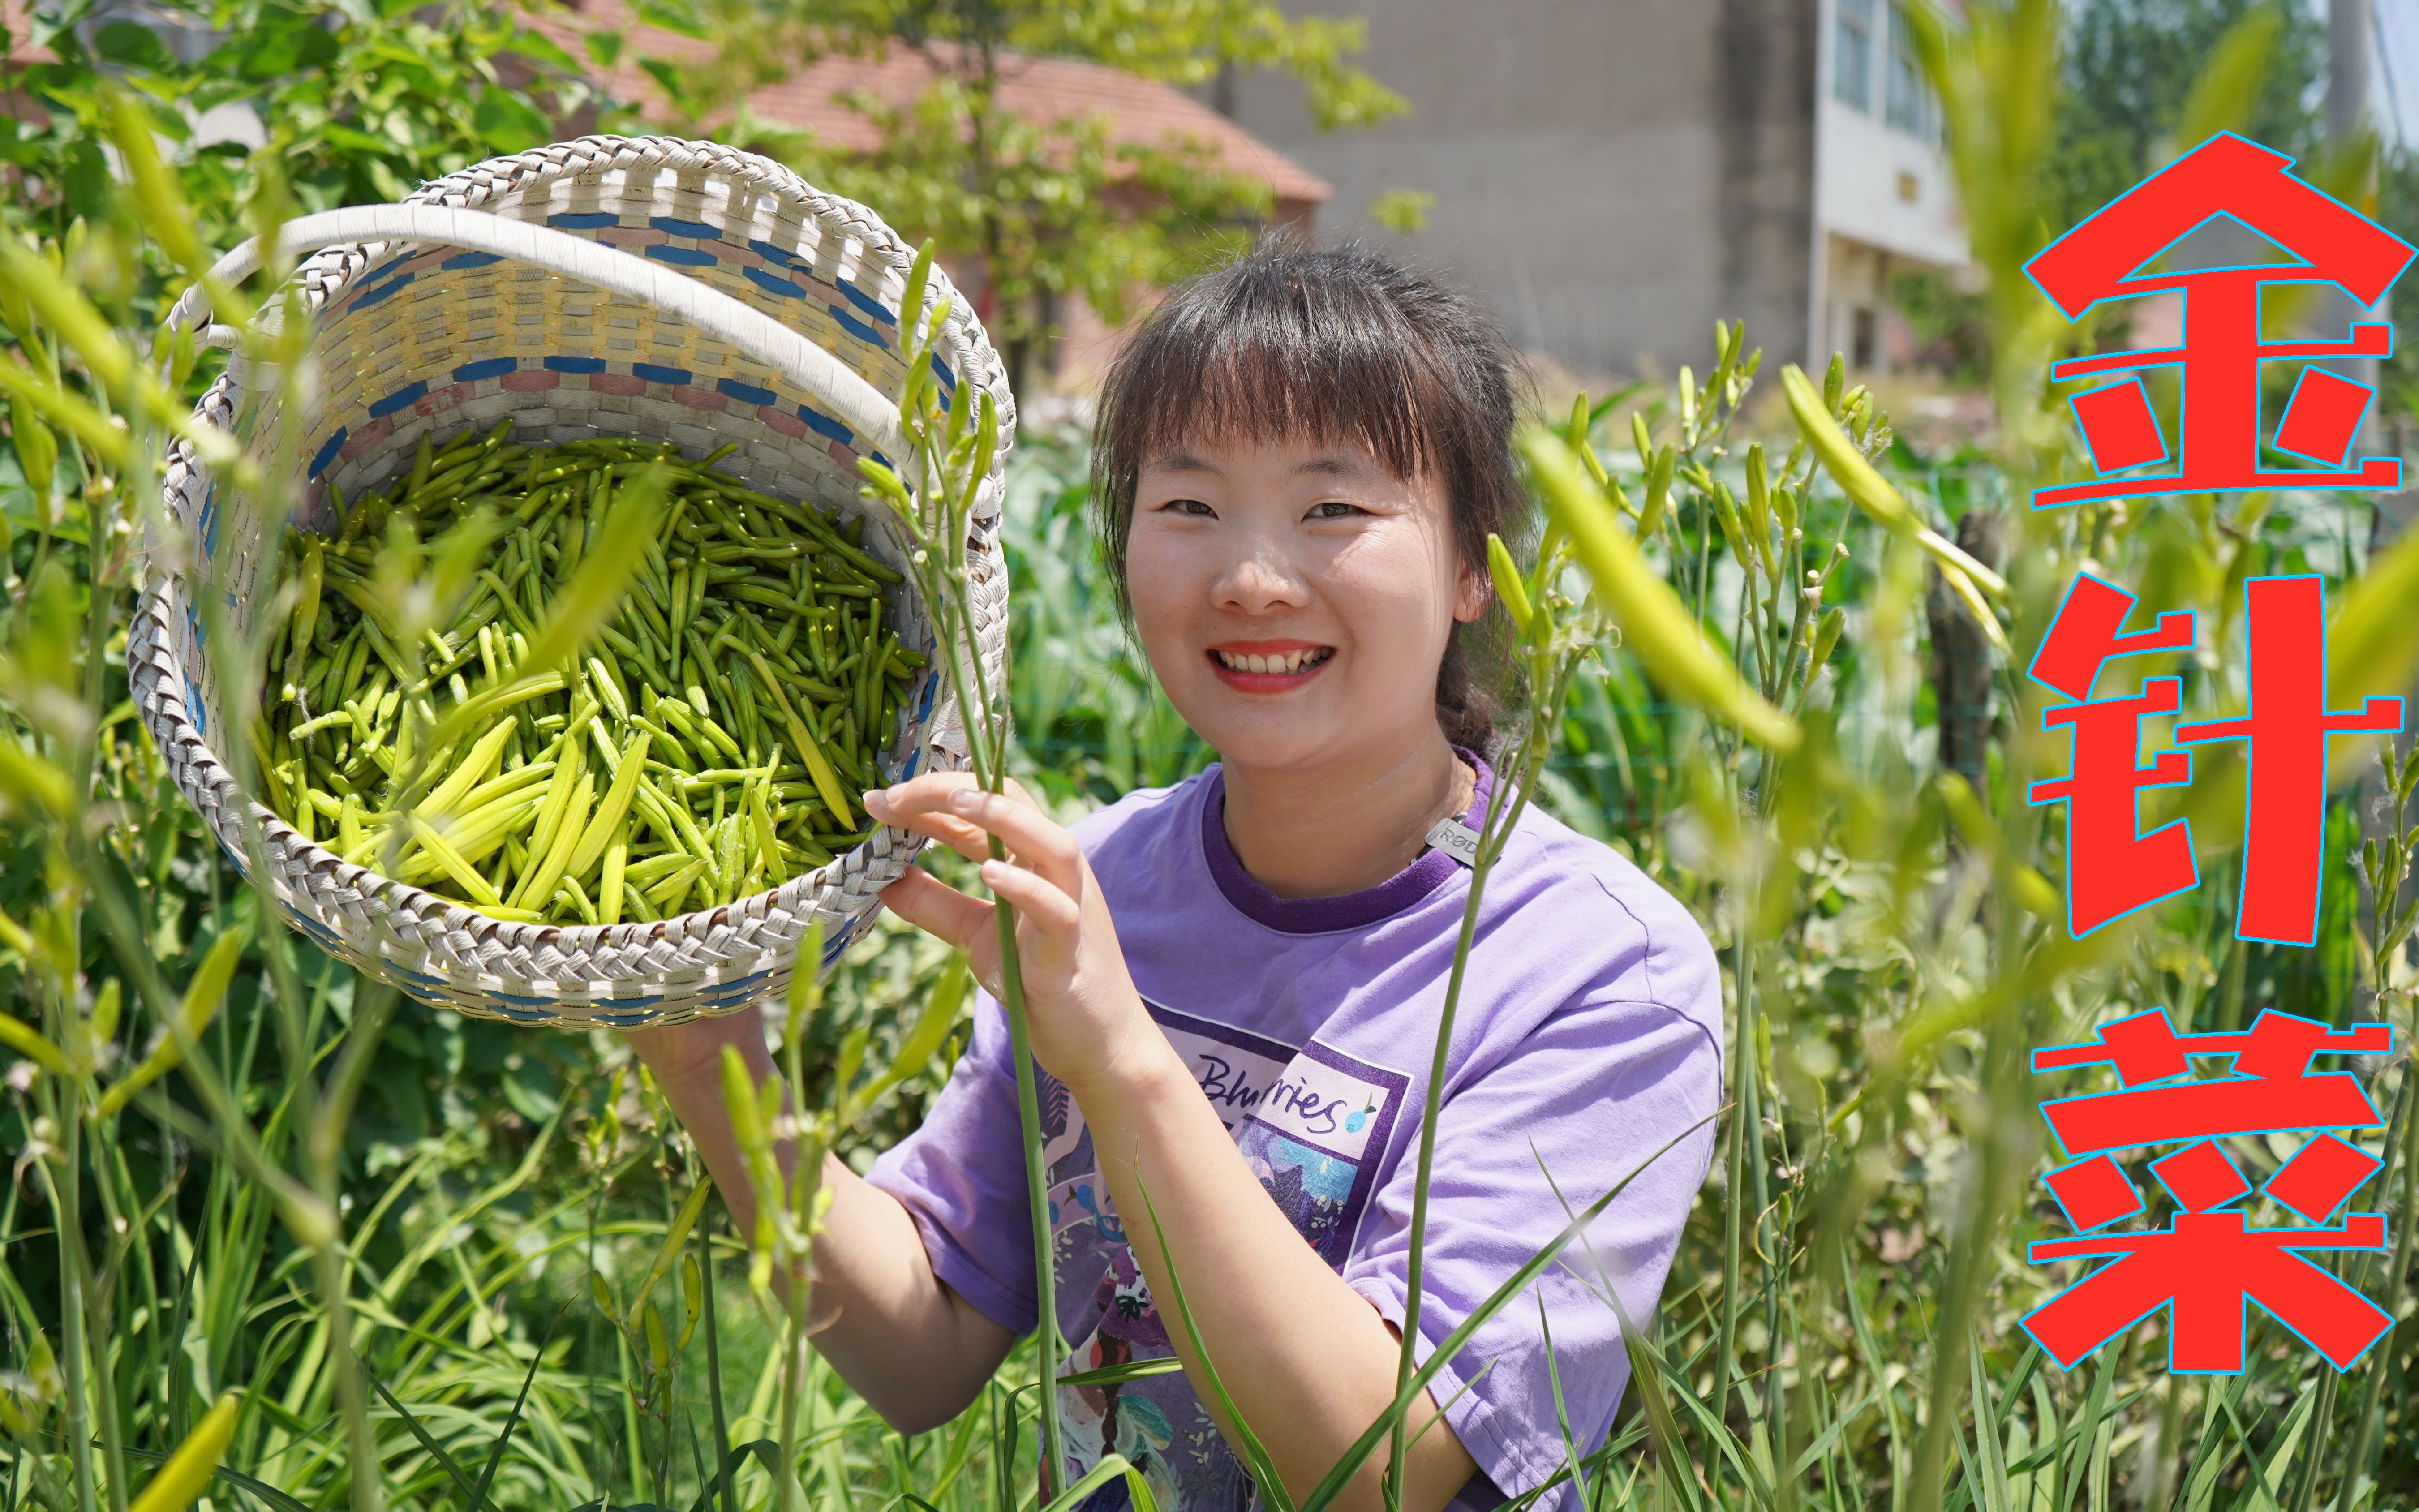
[2348, 34]
[2351, 128]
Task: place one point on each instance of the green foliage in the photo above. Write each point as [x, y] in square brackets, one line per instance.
[377, 1224]
[1036, 211]
[2129, 69]
[360, 102]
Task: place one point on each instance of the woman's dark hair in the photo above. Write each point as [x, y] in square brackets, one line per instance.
[1333, 345]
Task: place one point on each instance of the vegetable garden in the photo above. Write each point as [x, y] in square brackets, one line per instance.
[271, 1217]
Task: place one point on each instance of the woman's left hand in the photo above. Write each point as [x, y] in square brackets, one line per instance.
[1085, 1016]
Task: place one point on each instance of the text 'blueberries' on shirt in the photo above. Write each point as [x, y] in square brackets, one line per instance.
[1234, 1068]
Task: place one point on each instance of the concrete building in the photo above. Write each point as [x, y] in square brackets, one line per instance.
[1616, 174]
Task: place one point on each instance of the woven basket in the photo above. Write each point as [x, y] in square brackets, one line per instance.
[647, 288]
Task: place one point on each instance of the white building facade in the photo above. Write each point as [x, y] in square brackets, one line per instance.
[1614, 175]
[1886, 202]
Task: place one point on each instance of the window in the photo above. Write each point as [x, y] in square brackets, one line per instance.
[1852, 53]
[1908, 105]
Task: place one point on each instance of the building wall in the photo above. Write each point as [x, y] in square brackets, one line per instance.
[1612, 175]
[1886, 200]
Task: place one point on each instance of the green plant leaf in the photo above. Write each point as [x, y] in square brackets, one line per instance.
[1111, 1374]
[1657, 627]
[2373, 645]
[1255, 1455]
[508, 123]
[1344, 1468]
[2228, 90]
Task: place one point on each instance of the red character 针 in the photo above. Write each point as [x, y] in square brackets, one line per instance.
[2111, 868]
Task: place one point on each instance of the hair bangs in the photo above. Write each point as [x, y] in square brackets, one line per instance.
[1276, 359]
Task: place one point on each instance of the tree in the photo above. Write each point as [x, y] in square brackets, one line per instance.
[359, 102]
[2131, 68]
[1036, 210]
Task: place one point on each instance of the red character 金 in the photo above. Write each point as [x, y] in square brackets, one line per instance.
[2219, 435]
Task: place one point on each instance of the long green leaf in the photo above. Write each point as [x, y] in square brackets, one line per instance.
[1110, 1468]
[1255, 1455]
[436, 1450]
[2373, 645]
[503, 1440]
[1343, 1469]
[1110, 1375]
[1656, 626]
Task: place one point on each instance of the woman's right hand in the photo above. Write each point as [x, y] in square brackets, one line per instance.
[691, 1055]
[909, 1343]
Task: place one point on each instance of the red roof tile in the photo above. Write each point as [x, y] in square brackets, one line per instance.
[1141, 112]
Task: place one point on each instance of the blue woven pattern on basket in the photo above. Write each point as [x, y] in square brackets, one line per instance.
[405, 395]
[328, 450]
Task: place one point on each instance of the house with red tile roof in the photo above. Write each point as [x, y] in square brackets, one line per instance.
[1044, 91]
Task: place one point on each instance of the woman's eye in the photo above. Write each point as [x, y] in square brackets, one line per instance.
[1194, 507]
[1335, 509]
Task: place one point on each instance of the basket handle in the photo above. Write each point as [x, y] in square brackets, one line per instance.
[854, 401]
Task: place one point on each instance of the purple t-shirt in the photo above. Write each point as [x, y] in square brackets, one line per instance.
[1589, 1033]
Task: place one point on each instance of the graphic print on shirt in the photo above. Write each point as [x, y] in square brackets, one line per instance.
[1311, 1123]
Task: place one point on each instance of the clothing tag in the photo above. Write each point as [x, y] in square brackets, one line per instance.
[1456, 840]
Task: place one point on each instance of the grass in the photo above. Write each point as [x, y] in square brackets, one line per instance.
[376, 1226]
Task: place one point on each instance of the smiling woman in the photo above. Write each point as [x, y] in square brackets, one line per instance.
[1234, 986]
[1383, 392]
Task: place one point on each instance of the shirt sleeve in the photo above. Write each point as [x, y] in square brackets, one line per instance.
[961, 1176]
[1591, 1095]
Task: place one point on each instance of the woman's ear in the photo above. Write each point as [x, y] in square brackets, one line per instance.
[1473, 590]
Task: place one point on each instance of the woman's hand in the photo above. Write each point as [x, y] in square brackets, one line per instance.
[1086, 1018]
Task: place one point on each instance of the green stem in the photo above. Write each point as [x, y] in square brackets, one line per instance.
[2355, 1464]
[1036, 1179]
[74, 1282]
[805, 1179]
[1504, 806]
[721, 1490]
[100, 1300]
[1734, 1204]
[986, 729]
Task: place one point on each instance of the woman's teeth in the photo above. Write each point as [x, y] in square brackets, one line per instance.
[1287, 661]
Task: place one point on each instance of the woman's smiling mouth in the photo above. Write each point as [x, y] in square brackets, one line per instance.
[1268, 666]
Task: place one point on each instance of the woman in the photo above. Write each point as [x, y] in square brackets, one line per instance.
[1234, 984]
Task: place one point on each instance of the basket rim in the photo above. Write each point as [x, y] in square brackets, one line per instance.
[794, 902]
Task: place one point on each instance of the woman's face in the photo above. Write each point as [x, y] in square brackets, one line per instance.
[1295, 598]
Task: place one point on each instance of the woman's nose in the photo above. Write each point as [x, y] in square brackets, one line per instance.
[1259, 579]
